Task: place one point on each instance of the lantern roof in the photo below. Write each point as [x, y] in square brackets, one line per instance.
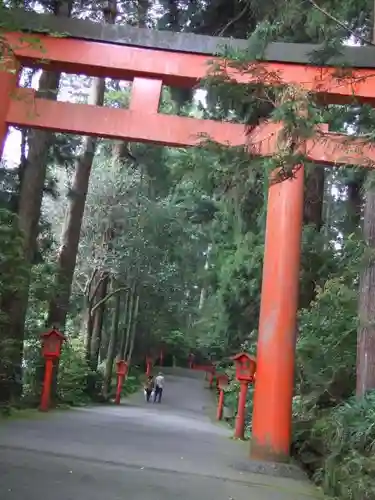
[121, 361]
[53, 332]
[242, 355]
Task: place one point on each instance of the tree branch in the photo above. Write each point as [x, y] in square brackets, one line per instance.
[100, 281]
[234, 20]
[102, 301]
[81, 287]
[340, 23]
[89, 282]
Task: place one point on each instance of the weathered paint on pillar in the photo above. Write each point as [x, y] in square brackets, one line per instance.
[120, 381]
[220, 405]
[8, 83]
[47, 384]
[239, 431]
[277, 323]
[211, 378]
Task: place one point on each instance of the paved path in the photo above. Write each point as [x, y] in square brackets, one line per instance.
[134, 452]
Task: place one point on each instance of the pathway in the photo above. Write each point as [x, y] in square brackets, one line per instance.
[135, 452]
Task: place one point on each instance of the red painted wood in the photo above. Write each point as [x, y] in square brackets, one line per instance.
[26, 110]
[272, 413]
[183, 69]
[239, 430]
[47, 384]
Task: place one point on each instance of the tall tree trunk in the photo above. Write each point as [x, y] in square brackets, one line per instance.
[98, 324]
[328, 202]
[30, 201]
[59, 304]
[89, 320]
[120, 149]
[314, 195]
[133, 329]
[106, 335]
[366, 329]
[313, 216]
[123, 343]
[354, 204]
[203, 293]
[91, 291]
[132, 298]
[111, 351]
[143, 8]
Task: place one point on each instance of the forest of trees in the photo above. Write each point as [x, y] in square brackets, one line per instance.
[129, 248]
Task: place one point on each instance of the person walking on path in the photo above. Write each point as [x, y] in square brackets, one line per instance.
[159, 386]
[149, 385]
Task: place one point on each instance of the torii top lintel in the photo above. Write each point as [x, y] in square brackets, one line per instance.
[150, 59]
[124, 52]
[297, 53]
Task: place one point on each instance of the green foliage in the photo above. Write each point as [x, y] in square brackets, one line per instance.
[326, 346]
[325, 378]
[179, 343]
[132, 383]
[73, 374]
[13, 277]
[187, 225]
[347, 435]
[331, 259]
[13, 271]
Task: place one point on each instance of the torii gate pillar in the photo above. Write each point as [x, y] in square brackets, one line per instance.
[9, 72]
[271, 435]
[155, 64]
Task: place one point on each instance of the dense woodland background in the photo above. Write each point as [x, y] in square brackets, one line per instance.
[130, 248]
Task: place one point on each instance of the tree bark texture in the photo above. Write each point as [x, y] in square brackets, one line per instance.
[366, 330]
[124, 339]
[354, 205]
[133, 329]
[312, 216]
[98, 317]
[366, 312]
[59, 304]
[111, 352]
[314, 195]
[129, 319]
[30, 201]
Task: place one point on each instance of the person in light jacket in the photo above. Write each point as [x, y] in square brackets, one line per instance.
[159, 386]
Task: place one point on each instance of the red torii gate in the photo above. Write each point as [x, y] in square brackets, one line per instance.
[150, 68]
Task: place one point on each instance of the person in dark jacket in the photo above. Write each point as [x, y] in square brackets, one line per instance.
[149, 386]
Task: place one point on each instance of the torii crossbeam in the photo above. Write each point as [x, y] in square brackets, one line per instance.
[150, 59]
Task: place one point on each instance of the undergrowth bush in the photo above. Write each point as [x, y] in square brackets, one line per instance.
[348, 437]
[132, 383]
[73, 376]
[333, 433]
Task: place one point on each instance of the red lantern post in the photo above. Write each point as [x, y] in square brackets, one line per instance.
[148, 365]
[122, 371]
[245, 370]
[222, 382]
[211, 378]
[191, 361]
[51, 350]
